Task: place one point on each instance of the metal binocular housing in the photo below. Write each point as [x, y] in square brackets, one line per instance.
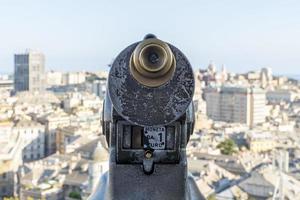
[148, 118]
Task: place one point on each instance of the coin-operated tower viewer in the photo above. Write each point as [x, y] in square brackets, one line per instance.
[147, 119]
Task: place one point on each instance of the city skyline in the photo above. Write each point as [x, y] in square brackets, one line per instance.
[93, 107]
[79, 36]
[235, 134]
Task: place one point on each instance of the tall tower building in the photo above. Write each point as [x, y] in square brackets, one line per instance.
[211, 68]
[29, 71]
[224, 75]
[236, 105]
[266, 77]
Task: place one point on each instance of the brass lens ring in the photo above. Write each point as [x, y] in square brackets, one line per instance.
[152, 62]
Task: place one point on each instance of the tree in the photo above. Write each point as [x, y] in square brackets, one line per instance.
[75, 195]
[227, 147]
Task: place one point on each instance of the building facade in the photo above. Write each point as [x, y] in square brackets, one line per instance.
[10, 159]
[99, 88]
[236, 105]
[277, 96]
[29, 71]
[6, 85]
[51, 122]
[260, 142]
[54, 78]
[33, 134]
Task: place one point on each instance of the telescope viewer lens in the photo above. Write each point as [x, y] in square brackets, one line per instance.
[152, 62]
[153, 58]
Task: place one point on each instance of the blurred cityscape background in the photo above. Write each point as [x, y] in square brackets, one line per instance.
[246, 140]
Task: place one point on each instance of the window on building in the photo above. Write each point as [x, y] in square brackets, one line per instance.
[4, 175]
[4, 190]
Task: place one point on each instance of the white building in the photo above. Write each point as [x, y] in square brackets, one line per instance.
[54, 78]
[97, 167]
[6, 85]
[236, 105]
[258, 109]
[99, 88]
[266, 77]
[86, 118]
[33, 135]
[71, 78]
[68, 138]
[10, 159]
[72, 100]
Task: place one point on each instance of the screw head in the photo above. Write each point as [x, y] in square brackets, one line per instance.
[148, 154]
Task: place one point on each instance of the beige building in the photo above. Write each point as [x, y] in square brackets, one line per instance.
[67, 138]
[236, 105]
[260, 142]
[51, 122]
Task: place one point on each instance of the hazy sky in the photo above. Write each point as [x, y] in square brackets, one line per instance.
[88, 34]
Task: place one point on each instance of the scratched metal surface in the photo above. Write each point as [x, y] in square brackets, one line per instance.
[146, 106]
[128, 182]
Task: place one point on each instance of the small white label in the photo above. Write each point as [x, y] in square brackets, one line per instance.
[155, 137]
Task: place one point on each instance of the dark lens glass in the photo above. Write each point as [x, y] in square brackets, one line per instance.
[153, 57]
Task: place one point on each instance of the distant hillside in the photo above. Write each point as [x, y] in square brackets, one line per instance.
[295, 77]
